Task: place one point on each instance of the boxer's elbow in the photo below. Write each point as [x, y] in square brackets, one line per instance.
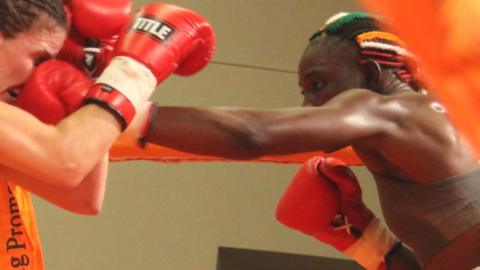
[66, 174]
[92, 209]
[87, 208]
[250, 142]
[85, 199]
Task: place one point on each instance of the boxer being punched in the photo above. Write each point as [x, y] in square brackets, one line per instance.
[358, 91]
[122, 87]
[49, 158]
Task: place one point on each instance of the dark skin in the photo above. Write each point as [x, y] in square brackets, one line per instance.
[396, 132]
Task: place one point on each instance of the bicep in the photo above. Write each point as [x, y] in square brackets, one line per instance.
[326, 128]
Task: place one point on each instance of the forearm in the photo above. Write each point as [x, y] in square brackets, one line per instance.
[242, 133]
[80, 141]
[58, 155]
[223, 132]
[86, 136]
[86, 198]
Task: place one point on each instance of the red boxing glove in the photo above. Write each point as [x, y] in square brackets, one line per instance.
[99, 19]
[54, 90]
[88, 46]
[89, 55]
[168, 38]
[325, 200]
[353, 216]
[310, 201]
[162, 39]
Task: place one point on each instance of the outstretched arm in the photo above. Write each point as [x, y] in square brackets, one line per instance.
[247, 133]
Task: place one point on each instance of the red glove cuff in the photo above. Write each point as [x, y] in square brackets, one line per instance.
[114, 101]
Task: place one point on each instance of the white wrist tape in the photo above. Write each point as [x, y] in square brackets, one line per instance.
[370, 249]
[129, 77]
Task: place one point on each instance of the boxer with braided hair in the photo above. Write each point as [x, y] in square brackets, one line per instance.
[359, 89]
[384, 48]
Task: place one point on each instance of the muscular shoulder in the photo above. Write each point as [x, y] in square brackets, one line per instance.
[374, 105]
[395, 117]
[392, 107]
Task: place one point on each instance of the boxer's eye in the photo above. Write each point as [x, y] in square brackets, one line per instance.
[13, 92]
[311, 87]
[316, 85]
[36, 62]
[40, 58]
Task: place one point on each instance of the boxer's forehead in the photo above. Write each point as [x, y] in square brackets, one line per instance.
[327, 54]
[47, 40]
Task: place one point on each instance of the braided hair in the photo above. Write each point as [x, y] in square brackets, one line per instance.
[17, 16]
[373, 44]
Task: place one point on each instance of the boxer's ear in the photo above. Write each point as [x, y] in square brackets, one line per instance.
[68, 12]
[372, 73]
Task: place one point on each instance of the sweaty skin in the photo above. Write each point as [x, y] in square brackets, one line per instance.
[396, 132]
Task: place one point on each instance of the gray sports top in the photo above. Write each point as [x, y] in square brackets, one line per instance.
[428, 216]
